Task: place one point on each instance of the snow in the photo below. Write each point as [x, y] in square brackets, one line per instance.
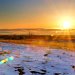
[35, 60]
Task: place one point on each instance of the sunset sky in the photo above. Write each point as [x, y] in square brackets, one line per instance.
[35, 13]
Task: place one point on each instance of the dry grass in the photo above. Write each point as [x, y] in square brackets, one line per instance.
[51, 44]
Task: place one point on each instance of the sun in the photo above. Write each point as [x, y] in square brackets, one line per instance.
[66, 25]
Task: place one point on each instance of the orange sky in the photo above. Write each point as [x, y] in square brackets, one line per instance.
[35, 13]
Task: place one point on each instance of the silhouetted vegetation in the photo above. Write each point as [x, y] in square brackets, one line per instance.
[53, 41]
[41, 37]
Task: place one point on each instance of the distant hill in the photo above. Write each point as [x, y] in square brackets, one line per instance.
[37, 31]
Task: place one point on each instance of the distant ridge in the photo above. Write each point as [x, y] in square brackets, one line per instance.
[36, 31]
[32, 29]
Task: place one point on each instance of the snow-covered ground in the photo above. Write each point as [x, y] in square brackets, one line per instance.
[32, 60]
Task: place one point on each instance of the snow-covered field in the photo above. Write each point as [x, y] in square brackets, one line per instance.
[32, 60]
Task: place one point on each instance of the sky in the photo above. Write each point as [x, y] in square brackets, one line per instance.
[16, 14]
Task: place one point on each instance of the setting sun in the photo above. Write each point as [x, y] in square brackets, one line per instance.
[66, 25]
[65, 22]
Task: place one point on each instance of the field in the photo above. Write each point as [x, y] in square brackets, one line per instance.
[37, 55]
[36, 60]
[56, 41]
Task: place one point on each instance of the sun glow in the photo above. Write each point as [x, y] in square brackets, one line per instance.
[65, 23]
